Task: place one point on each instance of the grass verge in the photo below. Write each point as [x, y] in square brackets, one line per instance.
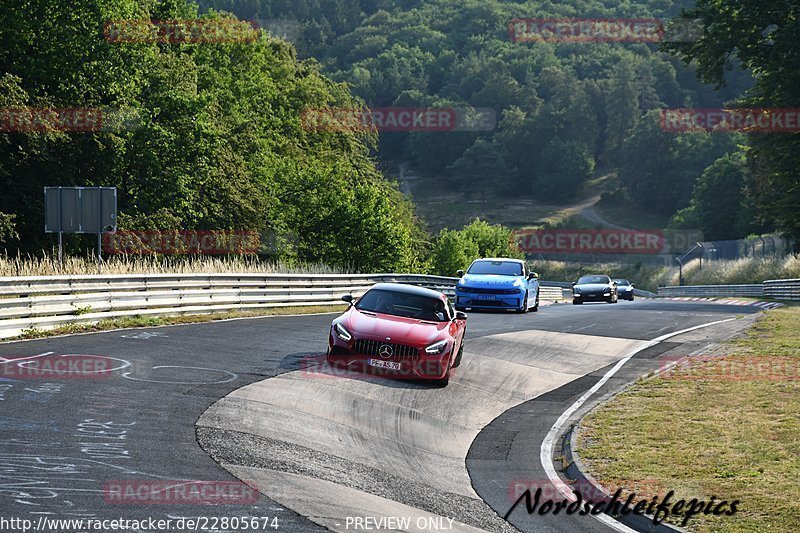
[48, 265]
[726, 429]
[138, 321]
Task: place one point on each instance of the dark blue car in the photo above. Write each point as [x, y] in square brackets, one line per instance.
[498, 284]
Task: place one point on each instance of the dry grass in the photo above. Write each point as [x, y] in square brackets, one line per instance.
[747, 270]
[649, 277]
[49, 266]
[736, 439]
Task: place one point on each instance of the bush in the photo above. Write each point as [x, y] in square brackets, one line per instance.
[455, 250]
[7, 231]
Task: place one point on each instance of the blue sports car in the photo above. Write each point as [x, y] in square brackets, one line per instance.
[498, 284]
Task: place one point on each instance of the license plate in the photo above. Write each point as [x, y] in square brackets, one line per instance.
[485, 297]
[383, 364]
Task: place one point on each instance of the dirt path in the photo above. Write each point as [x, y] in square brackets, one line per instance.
[587, 211]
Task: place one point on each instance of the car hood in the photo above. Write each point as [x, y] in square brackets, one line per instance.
[492, 280]
[593, 287]
[398, 329]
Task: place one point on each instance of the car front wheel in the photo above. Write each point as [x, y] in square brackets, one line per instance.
[460, 354]
[524, 308]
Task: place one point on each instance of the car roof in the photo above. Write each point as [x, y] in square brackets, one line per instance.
[409, 289]
[508, 259]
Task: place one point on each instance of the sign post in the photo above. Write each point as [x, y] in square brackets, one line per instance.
[80, 210]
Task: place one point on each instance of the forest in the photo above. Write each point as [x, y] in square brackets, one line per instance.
[565, 110]
[217, 140]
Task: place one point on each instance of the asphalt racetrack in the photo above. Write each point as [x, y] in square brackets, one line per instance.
[250, 399]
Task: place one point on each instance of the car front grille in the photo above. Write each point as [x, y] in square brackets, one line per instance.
[372, 348]
[478, 290]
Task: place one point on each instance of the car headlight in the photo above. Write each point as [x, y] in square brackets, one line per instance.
[342, 333]
[436, 348]
[576, 291]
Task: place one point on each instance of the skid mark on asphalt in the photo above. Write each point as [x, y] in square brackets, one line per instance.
[424, 433]
[230, 376]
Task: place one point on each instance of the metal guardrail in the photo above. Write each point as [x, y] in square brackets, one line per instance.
[47, 302]
[776, 289]
[782, 289]
[751, 290]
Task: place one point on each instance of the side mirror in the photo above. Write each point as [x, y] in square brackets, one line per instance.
[573, 283]
[348, 298]
[461, 315]
[533, 275]
[613, 282]
[460, 273]
[632, 285]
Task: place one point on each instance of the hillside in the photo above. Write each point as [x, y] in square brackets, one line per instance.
[562, 109]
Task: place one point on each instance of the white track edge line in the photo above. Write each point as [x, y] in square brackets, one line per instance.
[546, 450]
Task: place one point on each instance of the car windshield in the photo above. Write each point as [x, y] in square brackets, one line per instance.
[622, 282]
[586, 280]
[500, 268]
[403, 304]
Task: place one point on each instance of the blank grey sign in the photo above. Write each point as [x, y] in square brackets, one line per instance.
[80, 209]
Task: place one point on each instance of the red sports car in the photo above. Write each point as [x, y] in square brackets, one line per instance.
[399, 331]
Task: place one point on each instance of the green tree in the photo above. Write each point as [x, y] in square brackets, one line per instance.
[760, 37]
[7, 231]
[453, 251]
[564, 167]
[219, 143]
[481, 166]
[622, 109]
[659, 168]
[493, 240]
[720, 205]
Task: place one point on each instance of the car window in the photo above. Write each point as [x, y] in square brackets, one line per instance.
[403, 304]
[622, 282]
[451, 309]
[585, 280]
[500, 268]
